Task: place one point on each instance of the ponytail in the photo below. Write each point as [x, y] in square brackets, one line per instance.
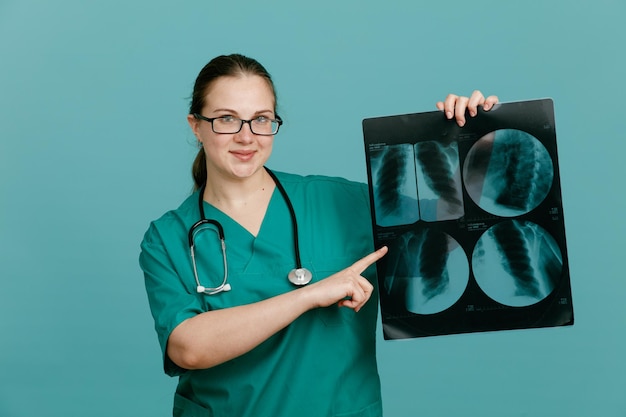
[198, 170]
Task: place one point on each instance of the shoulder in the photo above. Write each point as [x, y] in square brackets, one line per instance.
[322, 184]
[333, 201]
[174, 221]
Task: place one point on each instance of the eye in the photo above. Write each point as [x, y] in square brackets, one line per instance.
[262, 120]
[228, 119]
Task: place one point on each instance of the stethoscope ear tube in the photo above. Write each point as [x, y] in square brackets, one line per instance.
[194, 228]
[224, 286]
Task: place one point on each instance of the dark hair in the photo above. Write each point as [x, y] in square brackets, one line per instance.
[221, 66]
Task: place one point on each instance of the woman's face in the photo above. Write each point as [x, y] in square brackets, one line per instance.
[239, 155]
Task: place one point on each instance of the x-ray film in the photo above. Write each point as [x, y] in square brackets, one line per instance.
[473, 219]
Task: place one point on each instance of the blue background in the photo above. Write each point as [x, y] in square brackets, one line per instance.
[94, 144]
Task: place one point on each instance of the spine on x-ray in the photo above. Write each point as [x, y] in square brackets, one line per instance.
[521, 174]
[437, 169]
[420, 254]
[390, 178]
[516, 257]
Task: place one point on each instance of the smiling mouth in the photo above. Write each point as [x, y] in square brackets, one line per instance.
[243, 154]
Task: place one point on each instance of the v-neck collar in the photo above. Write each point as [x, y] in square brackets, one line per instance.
[212, 212]
[241, 245]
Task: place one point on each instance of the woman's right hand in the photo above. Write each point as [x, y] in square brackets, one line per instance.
[346, 288]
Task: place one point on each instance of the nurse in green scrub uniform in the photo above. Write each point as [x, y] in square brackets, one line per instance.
[241, 337]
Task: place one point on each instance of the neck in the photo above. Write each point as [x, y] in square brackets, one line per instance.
[236, 193]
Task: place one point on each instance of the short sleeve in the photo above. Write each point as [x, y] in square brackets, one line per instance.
[171, 302]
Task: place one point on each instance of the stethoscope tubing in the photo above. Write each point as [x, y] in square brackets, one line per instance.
[292, 213]
[224, 286]
[298, 276]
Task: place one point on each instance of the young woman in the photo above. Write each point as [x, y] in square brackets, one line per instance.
[276, 322]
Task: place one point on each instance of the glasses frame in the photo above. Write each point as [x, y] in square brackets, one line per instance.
[278, 120]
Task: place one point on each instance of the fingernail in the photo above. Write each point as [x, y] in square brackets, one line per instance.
[449, 115]
[472, 113]
[462, 123]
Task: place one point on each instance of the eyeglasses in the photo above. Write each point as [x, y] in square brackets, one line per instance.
[260, 125]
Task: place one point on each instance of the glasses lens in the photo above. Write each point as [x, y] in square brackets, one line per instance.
[226, 124]
[264, 126]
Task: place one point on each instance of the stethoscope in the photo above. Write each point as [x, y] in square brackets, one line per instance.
[298, 276]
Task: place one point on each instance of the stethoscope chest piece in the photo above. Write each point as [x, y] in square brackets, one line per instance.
[300, 276]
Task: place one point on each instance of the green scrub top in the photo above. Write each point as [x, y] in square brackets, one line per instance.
[322, 364]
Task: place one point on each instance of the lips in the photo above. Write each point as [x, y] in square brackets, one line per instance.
[243, 155]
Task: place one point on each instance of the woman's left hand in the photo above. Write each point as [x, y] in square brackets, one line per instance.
[454, 106]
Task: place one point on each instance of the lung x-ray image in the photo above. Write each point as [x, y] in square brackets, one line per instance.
[473, 220]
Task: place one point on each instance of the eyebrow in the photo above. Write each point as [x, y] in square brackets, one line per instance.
[256, 113]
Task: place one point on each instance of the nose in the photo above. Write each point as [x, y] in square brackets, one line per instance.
[245, 134]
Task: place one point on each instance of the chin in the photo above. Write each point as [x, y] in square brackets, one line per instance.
[246, 172]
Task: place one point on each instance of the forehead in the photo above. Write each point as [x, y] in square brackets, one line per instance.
[240, 93]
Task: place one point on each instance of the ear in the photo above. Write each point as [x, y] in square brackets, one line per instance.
[193, 124]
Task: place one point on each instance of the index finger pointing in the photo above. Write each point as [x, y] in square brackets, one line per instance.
[363, 263]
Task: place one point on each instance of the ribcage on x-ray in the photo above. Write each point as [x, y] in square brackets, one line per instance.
[395, 193]
[517, 263]
[508, 172]
[439, 180]
[427, 271]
